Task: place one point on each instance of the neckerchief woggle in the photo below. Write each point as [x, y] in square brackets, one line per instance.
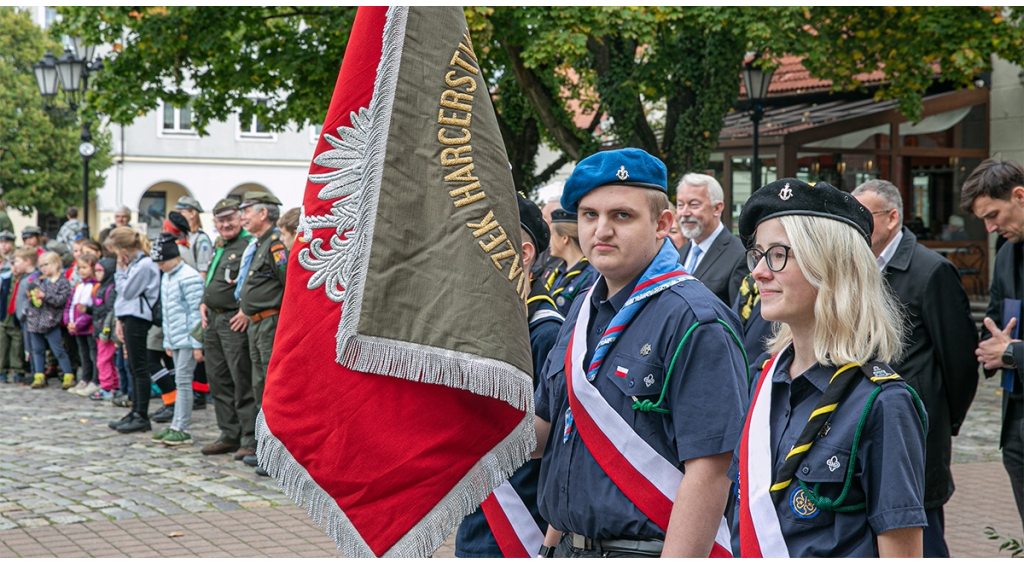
[643, 475]
[663, 273]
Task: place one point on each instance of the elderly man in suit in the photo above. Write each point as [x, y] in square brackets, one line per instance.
[713, 254]
[939, 363]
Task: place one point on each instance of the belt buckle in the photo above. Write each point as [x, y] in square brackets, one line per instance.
[579, 542]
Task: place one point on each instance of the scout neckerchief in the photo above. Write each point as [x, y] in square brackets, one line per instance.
[760, 532]
[217, 255]
[514, 528]
[243, 272]
[648, 479]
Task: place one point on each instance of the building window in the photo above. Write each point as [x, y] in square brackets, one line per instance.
[49, 16]
[176, 121]
[314, 133]
[250, 126]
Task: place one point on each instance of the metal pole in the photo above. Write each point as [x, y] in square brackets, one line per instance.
[86, 137]
[755, 170]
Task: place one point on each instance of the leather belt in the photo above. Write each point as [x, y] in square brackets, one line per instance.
[640, 546]
[221, 310]
[263, 315]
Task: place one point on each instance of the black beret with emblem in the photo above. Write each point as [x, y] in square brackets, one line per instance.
[164, 248]
[789, 196]
[532, 220]
[562, 216]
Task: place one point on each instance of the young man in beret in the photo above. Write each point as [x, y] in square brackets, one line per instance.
[636, 421]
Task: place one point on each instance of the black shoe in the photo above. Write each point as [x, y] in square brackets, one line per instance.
[134, 423]
[251, 460]
[163, 415]
[261, 472]
[116, 423]
[198, 403]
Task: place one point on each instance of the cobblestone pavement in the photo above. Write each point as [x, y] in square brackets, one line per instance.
[69, 486]
[61, 464]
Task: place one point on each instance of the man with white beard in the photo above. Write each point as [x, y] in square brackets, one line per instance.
[713, 254]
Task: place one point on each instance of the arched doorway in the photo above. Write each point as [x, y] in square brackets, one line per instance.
[241, 189]
[156, 202]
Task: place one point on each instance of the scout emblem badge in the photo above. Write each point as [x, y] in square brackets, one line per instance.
[417, 401]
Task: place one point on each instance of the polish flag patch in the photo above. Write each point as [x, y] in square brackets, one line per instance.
[621, 372]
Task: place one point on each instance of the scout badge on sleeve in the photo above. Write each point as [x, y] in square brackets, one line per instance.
[406, 319]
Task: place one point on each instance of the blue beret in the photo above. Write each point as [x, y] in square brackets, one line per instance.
[789, 196]
[626, 167]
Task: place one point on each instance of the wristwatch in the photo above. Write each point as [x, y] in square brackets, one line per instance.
[547, 551]
[1008, 360]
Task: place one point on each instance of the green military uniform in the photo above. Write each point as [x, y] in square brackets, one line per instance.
[261, 294]
[12, 348]
[228, 366]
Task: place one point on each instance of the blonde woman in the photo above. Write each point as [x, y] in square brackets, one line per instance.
[831, 463]
[137, 281]
[575, 275]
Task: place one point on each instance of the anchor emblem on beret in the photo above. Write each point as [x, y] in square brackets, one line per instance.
[622, 174]
[786, 192]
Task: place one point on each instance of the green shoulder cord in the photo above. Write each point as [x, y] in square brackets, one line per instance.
[827, 504]
[648, 406]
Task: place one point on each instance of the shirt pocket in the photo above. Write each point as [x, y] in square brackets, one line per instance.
[823, 470]
[635, 377]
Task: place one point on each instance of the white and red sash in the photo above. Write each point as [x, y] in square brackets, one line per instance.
[512, 524]
[760, 531]
[647, 478]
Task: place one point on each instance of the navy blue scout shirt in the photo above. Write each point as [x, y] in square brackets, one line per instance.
[474, 538]
[565, 288]
[706, 398]
[889, 469]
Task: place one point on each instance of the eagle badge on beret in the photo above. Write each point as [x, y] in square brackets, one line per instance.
[623, 173]
[786, 193]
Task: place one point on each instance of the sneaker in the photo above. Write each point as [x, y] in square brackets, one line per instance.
[78, 387]
[158, 437]
[175, 437]
[89, 390]
[121, 400]
[102, 395]
[115, 423]
[39, 380]
[134, 423]
[163, 415]
[69, 381]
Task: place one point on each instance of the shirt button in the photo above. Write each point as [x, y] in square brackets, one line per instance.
[563, 488]
[787, 413]
[631, 383]
[598, 330]
[805, 470]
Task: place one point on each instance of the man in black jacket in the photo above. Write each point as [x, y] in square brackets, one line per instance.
[995, 193]
[939, 363]
[713, 254]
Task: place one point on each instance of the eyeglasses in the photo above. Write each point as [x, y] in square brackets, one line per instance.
[775, 257]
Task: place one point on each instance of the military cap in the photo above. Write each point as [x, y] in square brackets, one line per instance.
[6, 235]
[225, 207]
[789, 196]
[626, 167]
[532, 221]
[562, 216]
[188, 203]
[253, 197]
[31, 231]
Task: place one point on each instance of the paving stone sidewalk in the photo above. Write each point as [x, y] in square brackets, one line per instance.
[69, 486]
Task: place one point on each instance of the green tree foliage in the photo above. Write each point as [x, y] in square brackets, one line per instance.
[664, 77]
[222, 59]
[39, 163]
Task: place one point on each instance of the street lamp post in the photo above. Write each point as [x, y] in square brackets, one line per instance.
[71, 73]
[756, 82]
